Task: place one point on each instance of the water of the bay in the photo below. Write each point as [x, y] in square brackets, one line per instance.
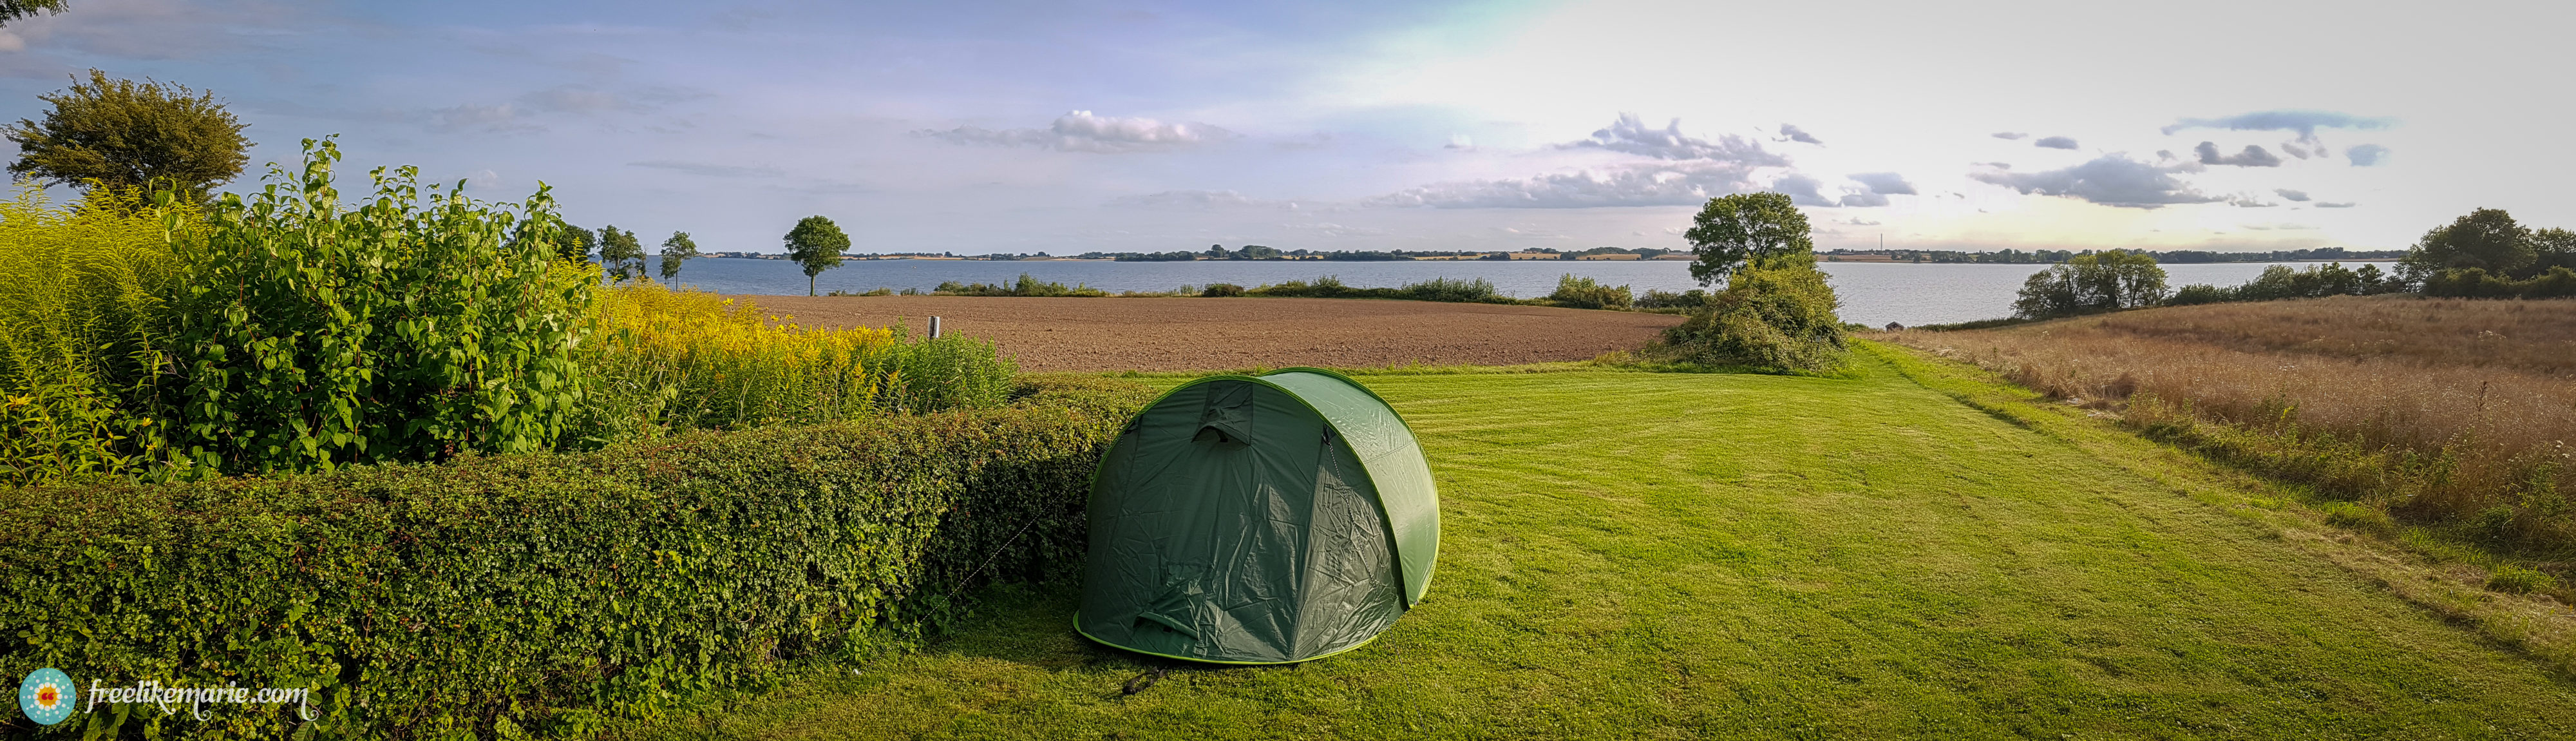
[1872, 293]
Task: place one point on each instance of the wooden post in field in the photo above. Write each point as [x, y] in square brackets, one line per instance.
[934, 327]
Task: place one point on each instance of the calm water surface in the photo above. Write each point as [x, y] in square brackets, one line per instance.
[1872, 293]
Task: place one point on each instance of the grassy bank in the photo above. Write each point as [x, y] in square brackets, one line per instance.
[1639, 555]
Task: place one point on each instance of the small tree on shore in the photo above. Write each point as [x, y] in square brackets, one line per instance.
[621, 253]
[816, 243]
[678, 249]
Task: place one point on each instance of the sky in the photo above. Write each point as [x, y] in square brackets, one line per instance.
[1073, 126]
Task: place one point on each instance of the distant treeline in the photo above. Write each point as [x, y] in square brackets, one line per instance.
[2050, 257]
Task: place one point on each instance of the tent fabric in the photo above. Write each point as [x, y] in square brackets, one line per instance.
[1258, 520]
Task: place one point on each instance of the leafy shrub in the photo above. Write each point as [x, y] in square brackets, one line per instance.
[2281, 282]
[2477, 283]
[1221, 290]
[81, 299]
[2518, 580]
[308, 336]
[1773, 314]
[1324, 287]
[1584, 293]
[552, 593]
[1656, 298]
[1026, 287]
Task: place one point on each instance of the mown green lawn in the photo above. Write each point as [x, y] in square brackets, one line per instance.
[1639, 555]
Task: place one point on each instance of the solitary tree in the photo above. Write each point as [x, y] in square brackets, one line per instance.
[816, 243]
[2486, 238]
[1777, 311]
[620, 253]
[11, 10]
[1747, 228]
[125, 134]
[679, 248]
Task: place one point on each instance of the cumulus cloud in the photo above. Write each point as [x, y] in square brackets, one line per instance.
[2328, 204]
[1080, 131]
[1996, 165]
[2253, 156]
[2304, 122]
[1791, 133]
[1630, 135]
[1802, 190]
[2055, 142]
[2293, 149]
[1884, 183]
[2110, 180]
[1460, 141]
[2300, 196]
[2365, 155]
[1858, 221]
[1688, 183]
[2009, 135]
[2249, 202]
[1200, 200]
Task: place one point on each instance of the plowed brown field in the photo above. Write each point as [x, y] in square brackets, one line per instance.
[1063, 334]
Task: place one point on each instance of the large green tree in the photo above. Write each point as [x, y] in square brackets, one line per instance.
[2486, 238]
[620, 253]
[1776, 311]
[125, 134]
[816, 243]
[1734, 231]
[678, 249]
[11, 10]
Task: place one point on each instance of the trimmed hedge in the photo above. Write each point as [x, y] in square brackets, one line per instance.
[546, 594]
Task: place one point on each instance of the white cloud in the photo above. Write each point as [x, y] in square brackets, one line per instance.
[1080, 131]
[2252, 156]
[2110, 180]
[1630, 135]
[2365, 155]
[2294, 195]
[1791, 133]
[1688, 183]
[2055, 142]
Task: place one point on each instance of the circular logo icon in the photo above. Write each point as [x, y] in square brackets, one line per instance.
[48, 696]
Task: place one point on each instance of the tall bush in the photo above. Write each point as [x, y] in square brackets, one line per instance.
[311, 335]
[1773, 314]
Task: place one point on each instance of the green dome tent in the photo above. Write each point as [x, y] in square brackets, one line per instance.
[1258, 520]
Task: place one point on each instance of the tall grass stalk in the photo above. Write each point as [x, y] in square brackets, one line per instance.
[82, 290]
[665, 360]
[2447, 412]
